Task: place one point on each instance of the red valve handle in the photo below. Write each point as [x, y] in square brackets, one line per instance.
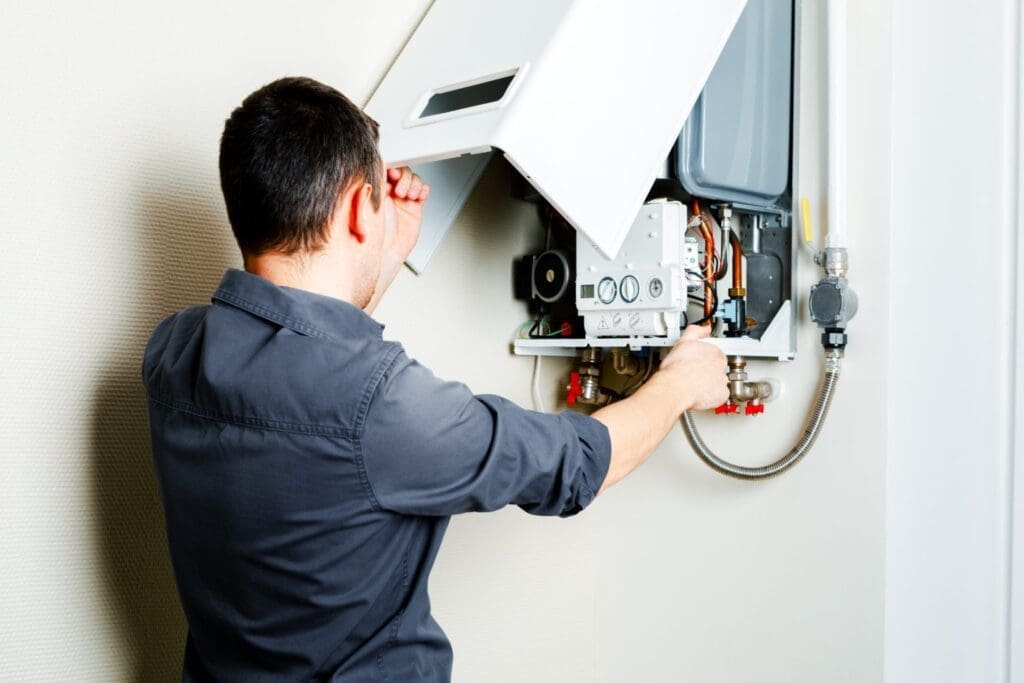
[574, 388]
[727, 409]
[754, 408]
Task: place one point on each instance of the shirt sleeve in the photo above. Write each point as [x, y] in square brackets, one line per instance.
[430, 447]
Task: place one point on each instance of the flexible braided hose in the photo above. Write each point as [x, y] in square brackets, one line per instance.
[833, 363]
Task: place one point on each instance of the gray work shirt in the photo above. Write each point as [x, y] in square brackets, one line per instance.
[308, 469]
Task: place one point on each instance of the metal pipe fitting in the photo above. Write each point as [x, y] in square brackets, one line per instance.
[836, 262]
[625, 363]
[590, 375]
[741, 389]
[756, 225]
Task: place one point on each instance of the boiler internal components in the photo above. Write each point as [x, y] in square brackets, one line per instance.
[641, 292]
[546, 282]
[548, 276]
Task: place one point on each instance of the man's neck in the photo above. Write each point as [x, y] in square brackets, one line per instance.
[315, 273]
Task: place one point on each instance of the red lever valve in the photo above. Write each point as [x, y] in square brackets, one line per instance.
[574, 388]
[754, 408]
[727, 409]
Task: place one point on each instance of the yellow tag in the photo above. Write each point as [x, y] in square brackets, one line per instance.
[805, 210]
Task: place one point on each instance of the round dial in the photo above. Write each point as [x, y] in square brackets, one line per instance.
[606, 290]
[655, 287]
[629, 288]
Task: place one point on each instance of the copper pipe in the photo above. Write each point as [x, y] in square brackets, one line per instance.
[737, 264]
[709, 265]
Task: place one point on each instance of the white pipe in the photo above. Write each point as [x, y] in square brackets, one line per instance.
[836, 124]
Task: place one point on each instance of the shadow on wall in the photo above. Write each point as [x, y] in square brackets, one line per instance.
[177, 247]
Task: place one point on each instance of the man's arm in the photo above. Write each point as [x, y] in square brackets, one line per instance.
[692, 377]
[430, 447]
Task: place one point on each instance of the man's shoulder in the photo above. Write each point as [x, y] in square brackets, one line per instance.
[186, 317]
[223, 361]
[167, 343]
[170, 331]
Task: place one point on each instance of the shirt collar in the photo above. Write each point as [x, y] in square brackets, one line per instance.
[297, 309]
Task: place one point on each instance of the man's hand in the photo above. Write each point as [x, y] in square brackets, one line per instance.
[691, 377]
[407, 192]
[403, 213]
[698, 370]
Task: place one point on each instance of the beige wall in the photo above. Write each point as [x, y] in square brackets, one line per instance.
[111, 218]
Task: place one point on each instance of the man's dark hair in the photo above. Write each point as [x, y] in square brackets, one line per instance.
[286, 155]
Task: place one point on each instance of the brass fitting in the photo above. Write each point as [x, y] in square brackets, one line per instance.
[741, 390]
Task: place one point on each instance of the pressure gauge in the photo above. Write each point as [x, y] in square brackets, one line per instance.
[606, 290]
[629, 288]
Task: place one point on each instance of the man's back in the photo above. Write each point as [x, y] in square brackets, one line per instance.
[307, 468]
[282, 563]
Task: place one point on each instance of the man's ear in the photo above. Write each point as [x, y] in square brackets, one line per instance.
[360, 211]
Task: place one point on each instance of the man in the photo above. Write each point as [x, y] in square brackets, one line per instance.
[307, 467]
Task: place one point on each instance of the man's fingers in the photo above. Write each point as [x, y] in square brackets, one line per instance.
[415, 187]
[399, 180]
[695, 332]
[402, 186]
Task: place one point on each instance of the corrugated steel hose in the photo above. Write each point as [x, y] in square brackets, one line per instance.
[833, 363]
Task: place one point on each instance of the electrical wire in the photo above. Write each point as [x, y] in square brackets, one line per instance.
[538, 402]
[720, 260]
[697, 278]
[709, 257]
[519, 330]
[700, 222]
[710, 316]
[537, 330]
[709, 287]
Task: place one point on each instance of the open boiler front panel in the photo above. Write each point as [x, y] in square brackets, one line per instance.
[659, 143]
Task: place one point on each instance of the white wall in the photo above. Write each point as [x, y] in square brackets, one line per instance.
[953, 357]
[112, 218]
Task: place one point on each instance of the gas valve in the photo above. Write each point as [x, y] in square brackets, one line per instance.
[573, 391]
[742, 390]
[754, 408]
